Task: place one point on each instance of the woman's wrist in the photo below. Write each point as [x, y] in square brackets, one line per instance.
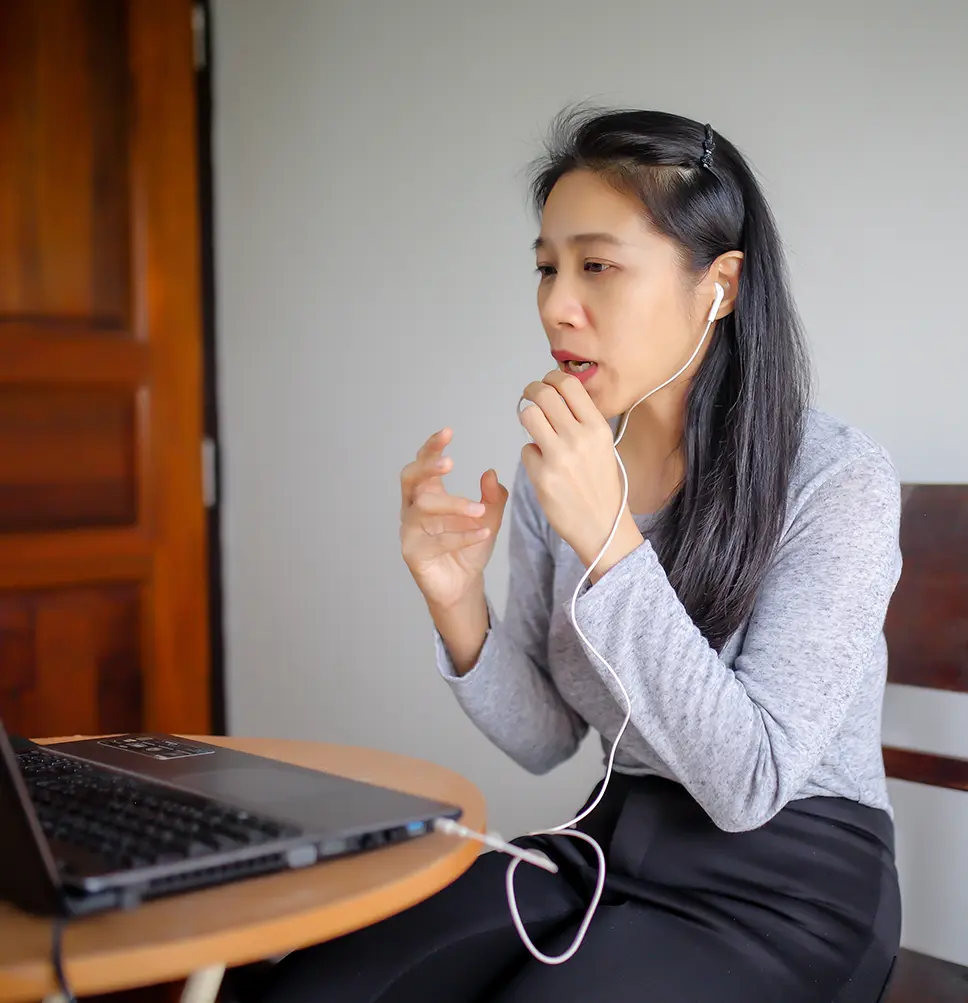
[628, 538]
[463, 627]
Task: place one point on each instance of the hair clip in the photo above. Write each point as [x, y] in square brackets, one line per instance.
[708, 146]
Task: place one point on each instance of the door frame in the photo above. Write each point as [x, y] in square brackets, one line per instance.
[211, 458]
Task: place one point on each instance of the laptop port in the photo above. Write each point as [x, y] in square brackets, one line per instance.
[335, 847]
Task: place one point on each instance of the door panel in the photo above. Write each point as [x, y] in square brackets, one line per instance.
[71, 658]
[70, 458]
[103, 577]
[64, 226]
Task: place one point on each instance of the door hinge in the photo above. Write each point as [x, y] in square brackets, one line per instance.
[199, 36]
[209, 472]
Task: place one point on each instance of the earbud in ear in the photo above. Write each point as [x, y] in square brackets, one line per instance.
[717, 303]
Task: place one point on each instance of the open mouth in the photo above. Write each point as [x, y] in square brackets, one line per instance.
[574, 365]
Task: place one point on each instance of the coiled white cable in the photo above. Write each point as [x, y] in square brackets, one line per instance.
[567, 828]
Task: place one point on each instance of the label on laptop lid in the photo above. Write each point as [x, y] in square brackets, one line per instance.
[155, 748]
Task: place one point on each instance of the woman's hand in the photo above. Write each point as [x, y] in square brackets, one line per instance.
[574, 471]
[446, 540]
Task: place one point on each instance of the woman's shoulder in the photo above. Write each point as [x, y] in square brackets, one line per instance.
[834, 455]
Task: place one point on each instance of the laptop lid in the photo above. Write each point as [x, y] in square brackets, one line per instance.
[28, 874]
[334, 808]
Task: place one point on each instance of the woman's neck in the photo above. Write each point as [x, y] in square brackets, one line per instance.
[651, 450]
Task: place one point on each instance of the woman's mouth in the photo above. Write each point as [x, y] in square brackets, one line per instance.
[582, 369]
[574, 365]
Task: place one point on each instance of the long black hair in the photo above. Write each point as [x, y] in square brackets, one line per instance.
[747, 404]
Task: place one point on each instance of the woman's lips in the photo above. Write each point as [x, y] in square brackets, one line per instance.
[584, 374]
[575, 365]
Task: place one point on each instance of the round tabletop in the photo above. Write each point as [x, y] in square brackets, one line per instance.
[168, 939]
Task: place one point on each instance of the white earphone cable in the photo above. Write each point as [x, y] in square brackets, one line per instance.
[567, 828]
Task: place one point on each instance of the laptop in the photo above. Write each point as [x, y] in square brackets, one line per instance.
[100, 824]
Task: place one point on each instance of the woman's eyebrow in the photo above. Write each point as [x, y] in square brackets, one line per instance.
[541, 243]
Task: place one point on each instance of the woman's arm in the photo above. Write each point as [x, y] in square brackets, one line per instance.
[507, 692]
[743, 740]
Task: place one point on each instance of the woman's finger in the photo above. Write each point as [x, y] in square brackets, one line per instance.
[419, 527]
[419, 471]
[435, 444]
[493, 492]
[443, 504]
[572, 391]
[438, 544]
[536, 424]
[552, 404]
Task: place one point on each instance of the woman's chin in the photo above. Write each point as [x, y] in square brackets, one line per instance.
[609, 410]
[607, 406]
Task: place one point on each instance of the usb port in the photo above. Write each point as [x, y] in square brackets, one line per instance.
[416, 828]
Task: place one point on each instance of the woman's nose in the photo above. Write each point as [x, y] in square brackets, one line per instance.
[561, 305]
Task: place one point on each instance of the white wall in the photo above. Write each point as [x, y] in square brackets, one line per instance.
[374, 283]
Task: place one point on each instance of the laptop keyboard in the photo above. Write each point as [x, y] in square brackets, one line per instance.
[131, 822]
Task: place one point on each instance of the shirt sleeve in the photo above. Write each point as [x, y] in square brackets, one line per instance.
[744, 739]
[509, 693]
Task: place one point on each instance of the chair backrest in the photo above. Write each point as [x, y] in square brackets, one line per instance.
[927, 622]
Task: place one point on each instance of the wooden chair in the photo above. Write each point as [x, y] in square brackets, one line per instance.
[927, 635]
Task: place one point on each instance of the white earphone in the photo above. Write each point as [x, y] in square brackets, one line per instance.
[717, 302]
[566, 829]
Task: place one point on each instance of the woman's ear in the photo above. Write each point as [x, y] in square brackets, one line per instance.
[727, 270]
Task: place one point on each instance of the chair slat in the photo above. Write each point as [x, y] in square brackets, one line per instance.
[927, 623]
[926, 768]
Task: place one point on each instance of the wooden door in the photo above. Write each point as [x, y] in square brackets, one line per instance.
[103, 598]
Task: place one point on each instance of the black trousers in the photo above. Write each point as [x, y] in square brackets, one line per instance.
[805, 909]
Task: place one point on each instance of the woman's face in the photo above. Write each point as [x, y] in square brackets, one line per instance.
[613, 293]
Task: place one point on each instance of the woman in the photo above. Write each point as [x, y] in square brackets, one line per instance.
[740, 604]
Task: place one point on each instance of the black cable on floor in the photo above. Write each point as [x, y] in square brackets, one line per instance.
[57, 959]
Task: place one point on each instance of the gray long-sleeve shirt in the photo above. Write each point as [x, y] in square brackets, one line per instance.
[789, 708]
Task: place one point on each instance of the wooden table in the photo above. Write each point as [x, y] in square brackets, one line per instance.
[198, 933]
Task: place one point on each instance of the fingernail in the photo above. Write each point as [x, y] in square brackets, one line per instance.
[441, 463]
[476, 508]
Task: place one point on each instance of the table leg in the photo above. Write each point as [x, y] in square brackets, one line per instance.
[203, 986]
[200, 987]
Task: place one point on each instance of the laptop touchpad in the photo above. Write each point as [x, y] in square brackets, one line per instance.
[260, 784]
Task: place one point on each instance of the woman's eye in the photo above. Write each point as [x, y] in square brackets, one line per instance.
[594, 267]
